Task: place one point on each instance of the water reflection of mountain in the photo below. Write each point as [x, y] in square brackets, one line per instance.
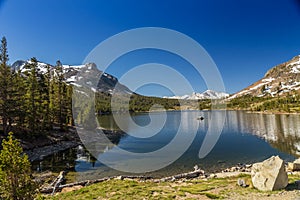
[282, 131]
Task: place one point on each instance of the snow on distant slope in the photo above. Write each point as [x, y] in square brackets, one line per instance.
[208, 94]
[279, 80]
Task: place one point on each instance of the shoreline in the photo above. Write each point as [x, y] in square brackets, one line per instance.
[191, 179]
[197, 173]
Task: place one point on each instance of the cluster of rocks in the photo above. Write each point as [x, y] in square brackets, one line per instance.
[239, 168]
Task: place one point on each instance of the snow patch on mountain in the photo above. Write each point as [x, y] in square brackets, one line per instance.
[295, 65]
[296, 69]
[208, 94]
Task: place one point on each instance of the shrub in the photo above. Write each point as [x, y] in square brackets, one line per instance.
[15, 171]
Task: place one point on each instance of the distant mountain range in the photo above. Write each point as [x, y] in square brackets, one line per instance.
[208, 94]
[279, 80]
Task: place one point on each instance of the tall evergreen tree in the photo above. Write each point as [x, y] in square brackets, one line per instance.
[5, 78]
[60, 91]
[18, 112]
[46, 84]
[68, 103]
[32, 100]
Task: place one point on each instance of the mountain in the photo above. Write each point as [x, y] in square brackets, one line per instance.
[80, 75]
[87, 74]
[279, 80]
[208, 94]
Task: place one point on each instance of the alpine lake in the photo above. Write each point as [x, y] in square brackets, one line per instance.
[245, 138]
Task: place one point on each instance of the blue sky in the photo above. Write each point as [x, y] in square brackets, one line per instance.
[244, 38]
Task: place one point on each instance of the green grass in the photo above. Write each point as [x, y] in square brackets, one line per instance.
[218, 188]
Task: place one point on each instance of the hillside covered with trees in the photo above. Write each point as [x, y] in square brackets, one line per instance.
[32, 103]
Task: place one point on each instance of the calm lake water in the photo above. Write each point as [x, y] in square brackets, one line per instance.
[246, 138]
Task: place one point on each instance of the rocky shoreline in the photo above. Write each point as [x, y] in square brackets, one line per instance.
[197, 173]
[239, 172]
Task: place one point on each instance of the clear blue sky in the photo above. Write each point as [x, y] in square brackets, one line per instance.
[244, 37]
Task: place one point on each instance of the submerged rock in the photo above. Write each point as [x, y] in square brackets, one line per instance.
[269, 175]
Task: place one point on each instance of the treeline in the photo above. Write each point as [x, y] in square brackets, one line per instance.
[246, 102]
[140, 103]
[288, 103]
[32, 102]
[137, 103]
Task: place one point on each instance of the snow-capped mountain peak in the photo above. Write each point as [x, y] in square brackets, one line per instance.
[208, 94]
[79, 75]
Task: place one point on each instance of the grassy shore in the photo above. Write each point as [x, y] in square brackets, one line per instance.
[214, 188]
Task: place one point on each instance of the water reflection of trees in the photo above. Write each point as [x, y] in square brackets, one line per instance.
[57, 162]
[282, 131]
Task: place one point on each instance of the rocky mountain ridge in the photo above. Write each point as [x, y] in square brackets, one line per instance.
[280, 80]
[79, 75]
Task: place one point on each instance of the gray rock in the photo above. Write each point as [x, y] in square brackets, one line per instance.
[212, 176]
[297, 161]
[269, 175]
[297, 184]
[294, 166]
[248, 166]
[241, 182]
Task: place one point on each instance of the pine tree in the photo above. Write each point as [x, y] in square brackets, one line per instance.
[46, 99]
[14, 100]
[5, 77]
[15, 172]
[61, 96]
[32, 100]
[19, 112]
[68, 103]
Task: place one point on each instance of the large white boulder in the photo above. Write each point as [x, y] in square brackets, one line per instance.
[269, 175]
